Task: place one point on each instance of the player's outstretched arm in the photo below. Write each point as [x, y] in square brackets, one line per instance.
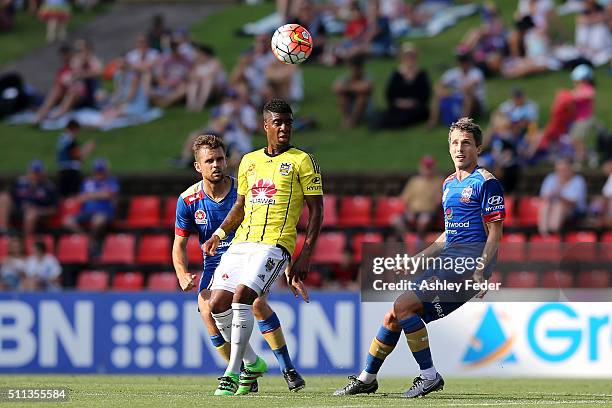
[493, 239]
[231, 222]
[179, 259]
[299, 269]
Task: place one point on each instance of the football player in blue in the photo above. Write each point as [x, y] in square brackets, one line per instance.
[202, 208]
[474, 209]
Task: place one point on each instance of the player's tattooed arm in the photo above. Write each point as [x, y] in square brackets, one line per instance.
[231, 222]
[495, 230]
[300, 267]
[179, 259]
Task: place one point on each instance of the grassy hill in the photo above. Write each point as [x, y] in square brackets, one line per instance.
[147, 147]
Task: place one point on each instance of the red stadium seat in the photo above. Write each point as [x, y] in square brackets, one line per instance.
[594, 279]
[92, 280]
[387, 208]
[355, 211]
[73, 249]
[544, 248]
[128, 281]
[3, 246]
[170, 210]
[329, 248]
[314, 279]
[510, 208]
[523, 279]
[581, 246]
[163, 282]
[358, 239]
[330, 212]
[143, 212]
[154, 249]
[194, 251]
[557, 279]
[47, 239]
[528, 211]
[66, 208]
[118, 249]
[607, 237]
[512, 248]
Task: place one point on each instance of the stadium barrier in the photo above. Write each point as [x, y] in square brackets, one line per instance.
[161, 333]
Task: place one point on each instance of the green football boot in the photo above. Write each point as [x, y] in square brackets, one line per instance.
[228, 384]
[250, 374]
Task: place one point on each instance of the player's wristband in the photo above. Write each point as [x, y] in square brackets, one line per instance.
[220, 233]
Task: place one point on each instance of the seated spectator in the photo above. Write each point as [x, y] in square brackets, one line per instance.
[70, 157]
[31, 199]
[7, 12]
[265, 76]
[460, 93]
[366, 34]
[564, 198]
[235, 119]
[353, 92]
[42, 270]
[530, 14]
[143, 58]
[607, 194]
[506, 140]
[571, 114]
[593, 37]
[539, 56]
[207, 79]
[422, 196]
[408, 92]
[98, 201]
[82, 81]
[185, 47]
[308, 17]
[487, 44]
[129, 96]
[585, 123]
[57, 14]
[352, 39]
[12, 269]
[61, 84]
[158, 35]
[171, 78]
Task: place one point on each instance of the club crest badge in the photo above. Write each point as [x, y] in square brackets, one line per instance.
[285, 169]
[200, 217]
[466, 194]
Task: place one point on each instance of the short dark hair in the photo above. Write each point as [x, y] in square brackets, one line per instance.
[73, 125]
[41, 246]
[207, 141]
[467, 125]
[277, 106]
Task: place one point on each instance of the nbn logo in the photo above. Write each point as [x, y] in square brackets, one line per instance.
[489, 343]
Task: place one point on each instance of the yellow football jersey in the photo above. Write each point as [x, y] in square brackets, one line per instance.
[274, 188]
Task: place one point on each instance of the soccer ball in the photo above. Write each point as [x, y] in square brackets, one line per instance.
[291, 44]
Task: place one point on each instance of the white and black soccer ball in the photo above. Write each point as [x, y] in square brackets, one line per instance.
[291, 44]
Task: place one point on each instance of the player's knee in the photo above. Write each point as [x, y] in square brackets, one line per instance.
[244, 295]
[261, 309]
[219, 304]
[405, 306]
[390, 322]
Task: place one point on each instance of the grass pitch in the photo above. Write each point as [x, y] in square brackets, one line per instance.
[159, 391]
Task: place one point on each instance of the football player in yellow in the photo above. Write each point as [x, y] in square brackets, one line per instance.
[273, 184]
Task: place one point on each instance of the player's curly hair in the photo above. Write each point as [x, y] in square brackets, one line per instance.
[277, 106]
[207, 142]
[467, 125]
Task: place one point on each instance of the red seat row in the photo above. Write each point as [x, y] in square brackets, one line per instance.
[117, 249]
[126, 281]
